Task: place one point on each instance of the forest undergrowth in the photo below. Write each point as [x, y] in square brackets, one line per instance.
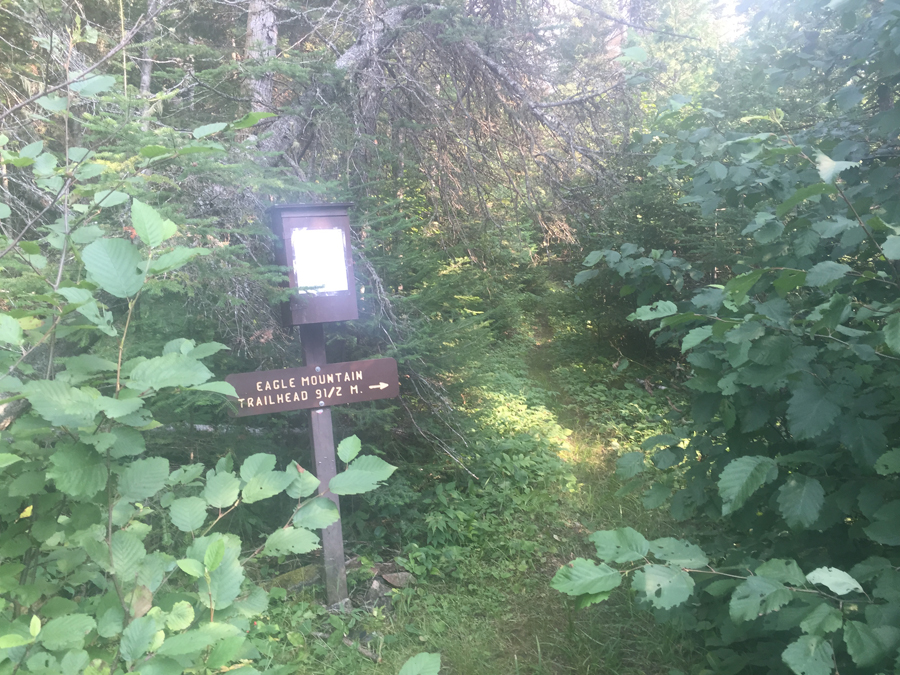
[483, 552]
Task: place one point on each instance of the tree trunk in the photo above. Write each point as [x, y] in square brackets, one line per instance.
[262, 36]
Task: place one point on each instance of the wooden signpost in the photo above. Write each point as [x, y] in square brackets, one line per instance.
[315, 246]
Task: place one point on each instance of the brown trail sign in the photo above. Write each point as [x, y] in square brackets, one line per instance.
[320, 386]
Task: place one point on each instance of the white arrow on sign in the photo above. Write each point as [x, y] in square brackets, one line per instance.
[380, 385]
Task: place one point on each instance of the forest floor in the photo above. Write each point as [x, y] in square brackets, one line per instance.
[497, 614]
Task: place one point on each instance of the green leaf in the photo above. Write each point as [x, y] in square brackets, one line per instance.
[115, 408]
[191, 642]
[113, 264]
[887, 464]
[620, 546]
[149, 225]
[869, 646]
[290, 540]
[630, 465]
[60, 404]
[829, 170]
[10, 330]
[250, 119]
[217, 387]
[422, 664]
[800, 500]
[175, 259]
[93, 85]
[127, 553]
[694, 337]
[6, 212]
[222, 490]
[657, 310]
[583, 576]
[224, 652]
[226, 579]
[837, 581]
[784, 571]
[303, 485]
[741, 478]
[363, 475]
[825, 272]
[7, 459]
[823, 619]
[802, 195]
[892, 333]
[349, 448]
[32, 150]
[810, 413]
[66, 632]
[756, 596]
[77, 470]
[74, 662]
[209, 129]
[143, 478]
[679, 553]
[53, 103]
[14, 640]
[188, 513]
[265, 485]
[169, 370]
[891, 247]
[181, 616]
[261, 462]
[809, 655]
[214, 554]
[318, 513]
[584, 276]
[738, 287]
[190, 566]
[663, 586]
[107, 198]
[151, 151]
[127, 443]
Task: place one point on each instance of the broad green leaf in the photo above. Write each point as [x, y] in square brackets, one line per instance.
[891, 247]
[303, 485]
[822, 620]
[809, 655]
[261, 462]
[836, 580]
[584, 576]
[738, 288]
[151, 227]
[66, 632]
[32, 150]
[290, 540]
[60, 404]
[250, 119]
[422, 664]
[169, 370]
[320, 512]
[209, 129]
[810, 413]
[771, 350]
[190, 566]
[265, 485]
[7, 459]
[224, 652]
[800, 500]
[143, 478]
[887, 464]
[13, 640]
[113, 264]
[663, 586]
[127, 553]
[829, 170]
[869, 645]
[214, 554]
[679, 553]
[191, 642]
[6, 212]
[657, 310]
[74, 662]
[206, 349]
[802, 195]
[349, 448]
[222, 490]
[694, 337]
[93, 85]
[621, 545]
[226, 579]
[630, 465]
[584, 276]
[115, 408]
[77, 470]
[741, 478]
[10, 330]
[181, 616]
[53, 103]
[217, 387]
[825, 272]
[151, 151]
[188, 513]
[756, 596]
[107, 198]
[892, 332]
[784, 571]
[363, 475]
[127, 443]
[175, 259]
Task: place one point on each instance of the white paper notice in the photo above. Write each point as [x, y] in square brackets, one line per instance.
[319, 260]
